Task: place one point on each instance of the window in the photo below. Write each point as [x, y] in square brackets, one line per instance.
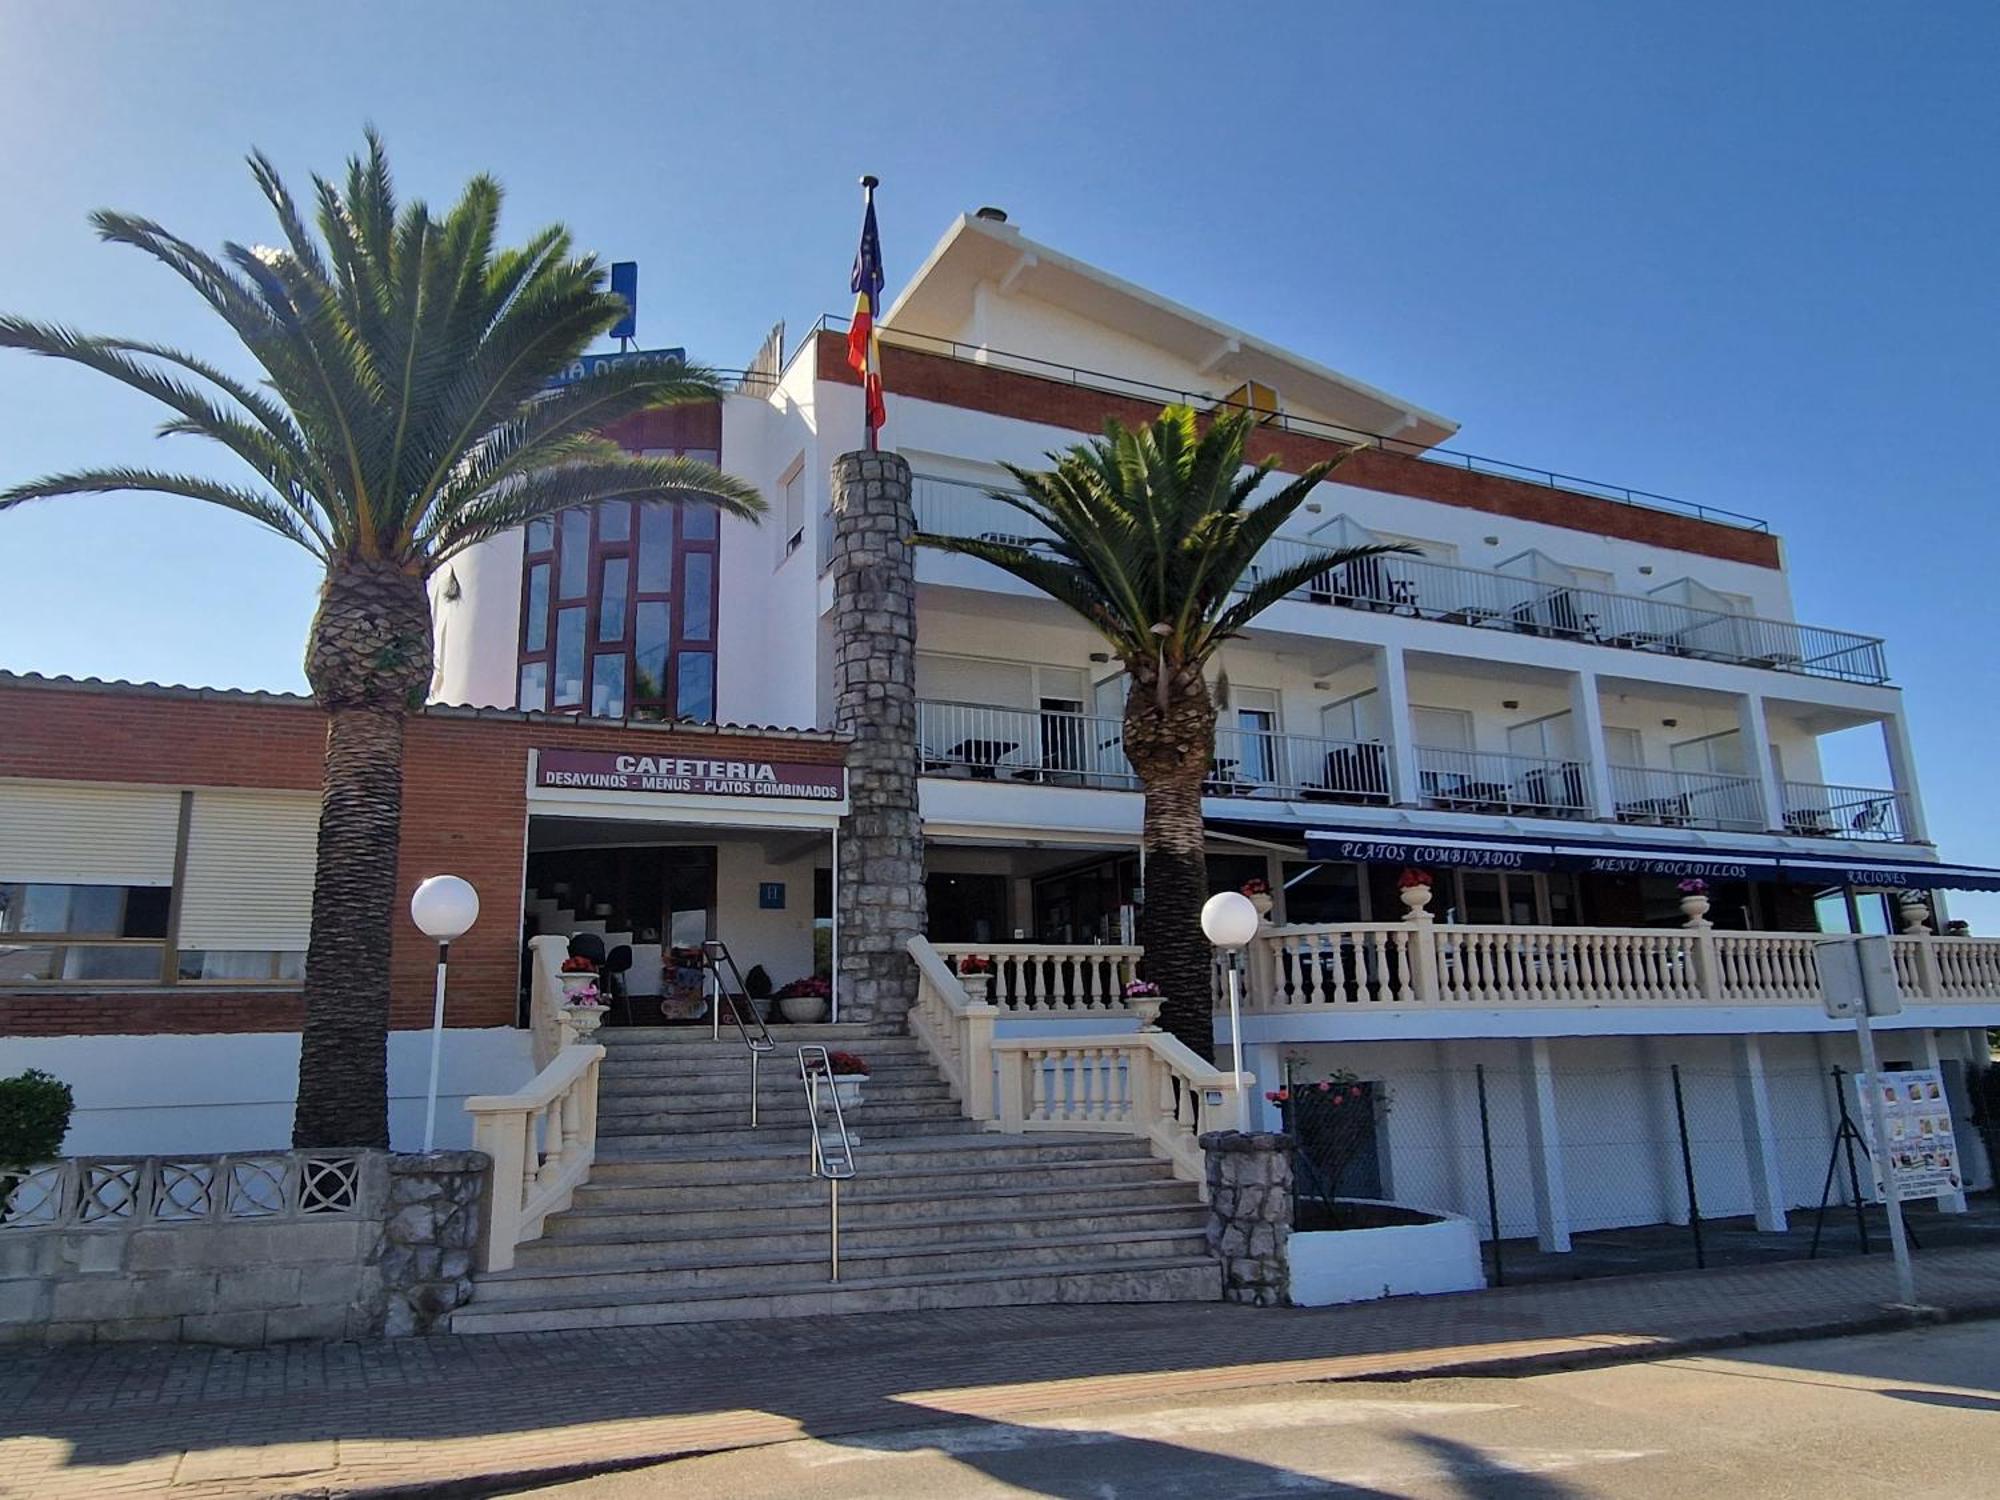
[1551, 738]
[698, 596]
[611, 600]
[1718, 754]
[1356, 719]
[655, 635]
[607, 685]
[217, 891]
[1442, 728]
[535, 628]
[792, 509]
[695, 695]
[575, 575]
[1624, 747]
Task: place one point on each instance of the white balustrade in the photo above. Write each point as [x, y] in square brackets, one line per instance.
[1142, 1083]
[543, 1140]
[1413, 964]
[1053, 980]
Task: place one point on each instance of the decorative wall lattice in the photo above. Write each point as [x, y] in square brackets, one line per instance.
[125, 1192]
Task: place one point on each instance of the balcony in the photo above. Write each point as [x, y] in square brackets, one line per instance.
[1048, 747]
[1381, 967]
[1476, 598]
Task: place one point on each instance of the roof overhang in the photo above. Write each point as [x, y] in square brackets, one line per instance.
[938, 300]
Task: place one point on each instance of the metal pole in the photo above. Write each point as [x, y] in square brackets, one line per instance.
[1687, 1170]
[1899, 1243]
[1236, 1044]
[1492, 1193]
[833, 944]
[833, 1223]
[437, 1044]
[1846, 1144]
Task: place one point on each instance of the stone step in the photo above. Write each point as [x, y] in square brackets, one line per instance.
[777, 1077]
[826, 1034]
[705, 1055]
[628, 1116]
[619, 1240]
[680, 1097]
[1180, 1279]
[751, 1161]
[773, 1105]
[661, 1276]
[1053, 1181]
[778, 1139]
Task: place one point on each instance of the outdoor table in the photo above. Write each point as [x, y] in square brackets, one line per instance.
[983, 756]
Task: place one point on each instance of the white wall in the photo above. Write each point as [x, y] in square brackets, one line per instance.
[782, 941]
[149, 1095]
[478, 635]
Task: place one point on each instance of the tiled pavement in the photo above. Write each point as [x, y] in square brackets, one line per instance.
[344, 1419]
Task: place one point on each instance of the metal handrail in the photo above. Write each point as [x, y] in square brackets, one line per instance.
[758, 1042]
[836, 1168]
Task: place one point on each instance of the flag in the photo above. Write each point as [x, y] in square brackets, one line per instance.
[864, 351]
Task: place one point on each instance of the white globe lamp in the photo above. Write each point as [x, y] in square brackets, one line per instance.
[444, 907]
[1229, 921]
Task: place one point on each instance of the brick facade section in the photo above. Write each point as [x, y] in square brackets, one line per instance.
[464, 813]
[1032, 398]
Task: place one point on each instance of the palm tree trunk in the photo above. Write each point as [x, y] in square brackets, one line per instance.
[1170, 748]
[369, 661]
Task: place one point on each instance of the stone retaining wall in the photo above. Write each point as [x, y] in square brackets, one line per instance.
[246, 1249]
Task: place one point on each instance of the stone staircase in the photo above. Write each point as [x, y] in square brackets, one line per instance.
[691, 1216]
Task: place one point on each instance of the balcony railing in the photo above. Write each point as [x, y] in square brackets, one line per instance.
[1407, 965]
[1012, 744]
[1685, 799]
[1845, 812]
[1485, 782]
[1419, 588]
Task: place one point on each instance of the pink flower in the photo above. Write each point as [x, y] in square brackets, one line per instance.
[1271, 1095]
[1324, 1087]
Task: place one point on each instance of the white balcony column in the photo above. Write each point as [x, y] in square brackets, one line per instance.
[1392, 683]
[1903, 777]
[1927, 1049]
[1760, 1136]
[1586, 716]
[1756, 732]
[1545, 1152]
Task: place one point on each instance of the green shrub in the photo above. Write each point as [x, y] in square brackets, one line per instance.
[34, 1117]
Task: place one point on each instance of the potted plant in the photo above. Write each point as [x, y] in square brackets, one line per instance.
[1259, 892]
[975, 972]
[803, 1002]
[849, 1074]
[1414, 887]
[1143, 999]
[1694, 901]
[1915, 912]
[583, 1010]
[578, 973]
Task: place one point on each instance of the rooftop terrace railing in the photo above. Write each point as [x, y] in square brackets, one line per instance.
[1419, 588]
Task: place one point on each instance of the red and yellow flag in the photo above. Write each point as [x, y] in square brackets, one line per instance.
[864, 350]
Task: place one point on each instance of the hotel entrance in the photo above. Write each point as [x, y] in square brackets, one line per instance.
[644, 864]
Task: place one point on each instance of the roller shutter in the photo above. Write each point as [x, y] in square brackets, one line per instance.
[76, 833]
[249, 871]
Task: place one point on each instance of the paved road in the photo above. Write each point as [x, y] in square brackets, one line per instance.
[1896, 1414]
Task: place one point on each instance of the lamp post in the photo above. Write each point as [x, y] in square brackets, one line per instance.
[443, 907]
[1229, 921]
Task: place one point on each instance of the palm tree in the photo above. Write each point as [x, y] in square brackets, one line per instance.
[403, 412]
[1155, 542]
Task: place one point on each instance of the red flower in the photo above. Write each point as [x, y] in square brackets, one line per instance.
[1324, 1086]
[1272, 1095]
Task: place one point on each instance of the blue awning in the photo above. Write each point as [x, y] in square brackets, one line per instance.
[1611, 856]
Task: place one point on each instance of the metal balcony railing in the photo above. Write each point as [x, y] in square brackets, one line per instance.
[1419, 588]
[1487, 782]
[1845, 812]
[984, 743]
[1685, 799]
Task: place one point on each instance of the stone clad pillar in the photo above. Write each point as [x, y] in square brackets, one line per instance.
[1250, 1214]
[881, 891]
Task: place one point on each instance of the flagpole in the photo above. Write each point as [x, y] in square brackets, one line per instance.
[869, 183]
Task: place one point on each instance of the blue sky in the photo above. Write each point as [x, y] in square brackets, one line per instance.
[1739, 254]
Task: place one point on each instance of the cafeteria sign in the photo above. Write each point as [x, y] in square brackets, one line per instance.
[688, 775]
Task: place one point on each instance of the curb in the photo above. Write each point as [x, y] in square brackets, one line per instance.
[1884, 1320]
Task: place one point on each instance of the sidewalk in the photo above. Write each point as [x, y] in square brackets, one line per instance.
[345, 1419]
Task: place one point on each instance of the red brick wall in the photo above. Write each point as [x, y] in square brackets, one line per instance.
[1031, 398]
[464, 813]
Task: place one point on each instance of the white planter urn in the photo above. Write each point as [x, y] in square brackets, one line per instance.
[1695, 909]
[1916, 918]
[1416, 900]
[571, 983]
[582, 1020]
[1263, 901]
[847, 1088]
[978, 987]
[803, 1010]
[1147, 1009]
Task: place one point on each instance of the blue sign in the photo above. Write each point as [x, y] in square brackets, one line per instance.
[589, 364]
[625, 283]
[771, 895]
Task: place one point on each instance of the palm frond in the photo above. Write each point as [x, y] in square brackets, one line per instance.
[191, 486]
